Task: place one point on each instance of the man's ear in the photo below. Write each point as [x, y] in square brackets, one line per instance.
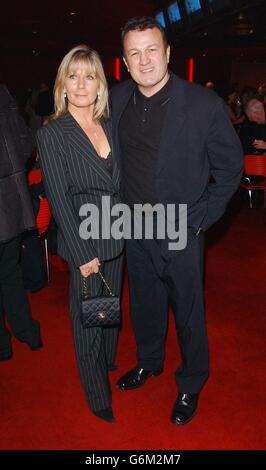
[168, 50]
[125, 62]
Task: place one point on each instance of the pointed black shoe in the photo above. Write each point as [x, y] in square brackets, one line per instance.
[185, 408]
[35, 346]
[106, 415]
[6, 355]
[136, 378]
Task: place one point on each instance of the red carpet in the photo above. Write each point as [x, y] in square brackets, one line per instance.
[42, 405]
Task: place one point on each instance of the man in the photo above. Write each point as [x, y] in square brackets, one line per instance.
[262, 91]
[253, 133]
[171, 136]
[16, 216]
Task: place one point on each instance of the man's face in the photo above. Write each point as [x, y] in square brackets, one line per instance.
[255, 111]
[147, 59]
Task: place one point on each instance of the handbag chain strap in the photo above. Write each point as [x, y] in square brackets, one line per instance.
[106, 285]
[85, 286]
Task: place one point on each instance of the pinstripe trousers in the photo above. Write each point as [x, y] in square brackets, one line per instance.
[95, 347]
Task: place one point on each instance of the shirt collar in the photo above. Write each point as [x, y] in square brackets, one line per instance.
[161, 97]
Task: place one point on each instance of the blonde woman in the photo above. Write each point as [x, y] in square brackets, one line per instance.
[79, 167]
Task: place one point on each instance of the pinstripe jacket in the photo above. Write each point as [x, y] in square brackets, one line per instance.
[74, 175]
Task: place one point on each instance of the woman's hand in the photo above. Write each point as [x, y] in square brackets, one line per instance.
[259, 144]
[90, 268]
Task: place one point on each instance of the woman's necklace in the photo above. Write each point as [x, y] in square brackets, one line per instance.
[92, 130]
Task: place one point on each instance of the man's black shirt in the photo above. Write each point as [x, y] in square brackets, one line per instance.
[140, 131]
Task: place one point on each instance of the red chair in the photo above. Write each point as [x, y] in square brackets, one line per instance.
[43, 218]
[34, 176]
[254, 165]
[42, 223]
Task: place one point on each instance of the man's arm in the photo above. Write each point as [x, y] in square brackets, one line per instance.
[226, 164]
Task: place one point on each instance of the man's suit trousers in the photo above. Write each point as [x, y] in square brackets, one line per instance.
[14, 305]
[159, 277]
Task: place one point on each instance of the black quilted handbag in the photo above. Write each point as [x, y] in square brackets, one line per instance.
[101, 310]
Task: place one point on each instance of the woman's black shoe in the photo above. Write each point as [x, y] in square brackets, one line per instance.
[6, 355]
[35, 346]
[106, 415]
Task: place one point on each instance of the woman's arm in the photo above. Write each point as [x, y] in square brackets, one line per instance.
[54, 171]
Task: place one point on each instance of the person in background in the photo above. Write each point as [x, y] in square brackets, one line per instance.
[233, 105]
[262, 92]
[79, 167]
[16, 217]
[34, 120]
[253, 133]
[210, 85]
[33, 271]
[253, 136]
[45, 103]
[248, 93]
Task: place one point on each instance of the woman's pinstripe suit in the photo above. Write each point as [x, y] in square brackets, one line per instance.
[74, 175]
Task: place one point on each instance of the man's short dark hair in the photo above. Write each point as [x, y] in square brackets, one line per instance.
[141, 23]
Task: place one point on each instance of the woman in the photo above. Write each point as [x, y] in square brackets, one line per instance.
[233, 106]
[78, 168]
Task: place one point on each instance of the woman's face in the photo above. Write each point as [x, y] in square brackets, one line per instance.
[232, 97]
[81, 86]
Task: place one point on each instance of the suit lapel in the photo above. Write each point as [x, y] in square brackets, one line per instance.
[119, 104]
[107, 127]
[174, 121]
[81, 145]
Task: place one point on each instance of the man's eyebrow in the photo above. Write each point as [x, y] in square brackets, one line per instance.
[147, 47]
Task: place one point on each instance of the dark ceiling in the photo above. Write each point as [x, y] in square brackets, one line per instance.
[243, 24]
[52, 26]
[35, 35]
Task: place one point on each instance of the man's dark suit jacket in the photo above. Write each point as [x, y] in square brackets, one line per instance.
[74, 175]
[197, 141]
[16, 144]
[248, 133]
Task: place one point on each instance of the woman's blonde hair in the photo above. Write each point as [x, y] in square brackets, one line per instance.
[81, 53]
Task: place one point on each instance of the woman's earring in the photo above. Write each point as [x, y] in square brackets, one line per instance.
[65, 94]
[98, 95]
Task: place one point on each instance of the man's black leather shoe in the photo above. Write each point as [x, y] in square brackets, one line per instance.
[185, 408]
[136, 378]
